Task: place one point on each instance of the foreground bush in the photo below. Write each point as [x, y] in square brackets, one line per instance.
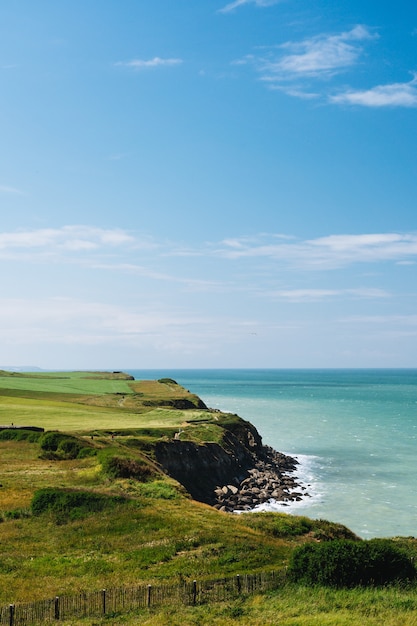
[346, 563]
[70, 503]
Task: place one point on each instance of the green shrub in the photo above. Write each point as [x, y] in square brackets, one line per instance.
[16, 514]
[167, 381]
[17, 434]
[70, 503]
[51, 440]
[58, 445]
[123, 467]
[85, 452]
[346, 563]
[70, 448]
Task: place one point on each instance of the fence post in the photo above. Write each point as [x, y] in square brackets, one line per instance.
[238, 583]
[103, 600]
[56, 607]
[11, 614]
[194, 592]
[149, 594]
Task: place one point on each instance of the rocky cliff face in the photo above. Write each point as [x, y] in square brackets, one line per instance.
[236, 475]
[201, 468]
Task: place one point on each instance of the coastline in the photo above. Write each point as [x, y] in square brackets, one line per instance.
[272, 479]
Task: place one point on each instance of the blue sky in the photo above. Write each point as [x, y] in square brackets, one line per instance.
[189, 183]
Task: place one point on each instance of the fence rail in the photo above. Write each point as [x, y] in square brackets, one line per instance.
[123, 599]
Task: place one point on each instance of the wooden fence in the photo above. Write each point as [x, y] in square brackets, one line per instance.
[122, 600]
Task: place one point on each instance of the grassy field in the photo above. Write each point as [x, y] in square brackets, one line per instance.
[155, 532]
[70, 416]
[65, 383]
[291, 606]
[77, 401]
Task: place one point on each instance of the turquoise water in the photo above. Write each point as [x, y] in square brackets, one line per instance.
[354, 433]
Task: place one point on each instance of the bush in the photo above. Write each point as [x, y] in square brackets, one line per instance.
[71, 504]
[346, 563]
[16, 514]
[123, 467]
[51, 440]
[17, 434]
[58, 445]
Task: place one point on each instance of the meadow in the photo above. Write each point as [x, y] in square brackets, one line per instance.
[147, 528]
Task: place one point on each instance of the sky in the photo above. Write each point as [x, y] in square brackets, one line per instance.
[208, 184]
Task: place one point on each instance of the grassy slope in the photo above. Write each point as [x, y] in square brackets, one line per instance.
[75, 401]
[161, 534]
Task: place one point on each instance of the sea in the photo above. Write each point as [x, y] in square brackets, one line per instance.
[353, 432]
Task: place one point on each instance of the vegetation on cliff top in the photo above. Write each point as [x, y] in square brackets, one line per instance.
[85, 505]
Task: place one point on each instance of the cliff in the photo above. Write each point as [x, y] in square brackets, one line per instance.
[237, 473]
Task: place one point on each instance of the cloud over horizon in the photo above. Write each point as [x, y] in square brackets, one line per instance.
[332, 251]
[321, 253]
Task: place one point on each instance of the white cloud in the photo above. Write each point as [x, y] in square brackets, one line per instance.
[319, 57]
[329, 252]
[238, 3]
[393, 95]
[141, 64]
[67, 237]
[332, 251]
[318, 295]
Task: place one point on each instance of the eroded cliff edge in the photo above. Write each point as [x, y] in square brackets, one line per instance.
[237, 473]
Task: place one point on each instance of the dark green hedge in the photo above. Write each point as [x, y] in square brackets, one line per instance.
[17, 434]
[346, 563]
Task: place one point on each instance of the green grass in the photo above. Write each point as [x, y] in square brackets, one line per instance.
[159, 535]
[65, 382]
[76, 401]
[69, 416]
[290, 606]
[156, 533]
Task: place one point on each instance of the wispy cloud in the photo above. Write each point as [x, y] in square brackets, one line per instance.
[322, 56]
[393, 95]
[11, 190]
[54, 319]
[140, 270]
[143, 64]
[299, 68]
[238, 3]
[318, 295]
[75, 238]
[402, 320]
[329, 252]
[333, 251]
[74, 322]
